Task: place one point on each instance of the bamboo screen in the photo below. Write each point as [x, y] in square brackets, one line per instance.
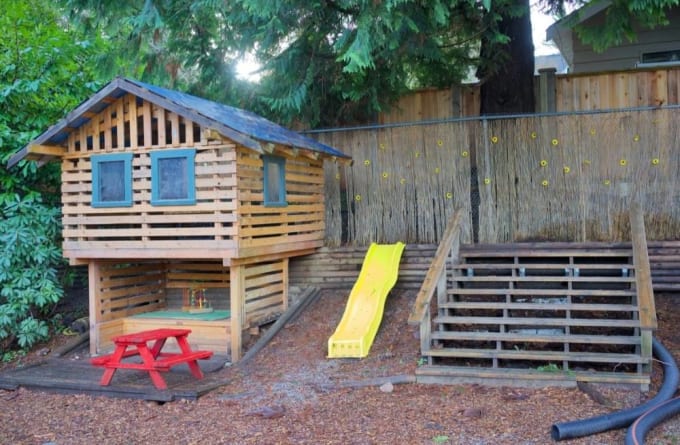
[560, 178]
[403, 186]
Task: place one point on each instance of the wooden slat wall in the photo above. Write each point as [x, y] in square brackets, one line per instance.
[298, 225]
[134, 126]
[266, 291]
[339, 267]
[125, 289]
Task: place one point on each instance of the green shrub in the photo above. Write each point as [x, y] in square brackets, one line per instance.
[30, 261]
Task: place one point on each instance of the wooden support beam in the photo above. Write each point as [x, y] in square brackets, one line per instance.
[211, 134]
[46, 150]
[237, 279]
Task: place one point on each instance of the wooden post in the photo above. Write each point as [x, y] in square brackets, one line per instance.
[93, 274]
[237, 297]
[546, 90]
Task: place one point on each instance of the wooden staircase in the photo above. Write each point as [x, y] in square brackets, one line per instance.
[536, 313]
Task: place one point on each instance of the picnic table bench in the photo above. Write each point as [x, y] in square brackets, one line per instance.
[154, 361]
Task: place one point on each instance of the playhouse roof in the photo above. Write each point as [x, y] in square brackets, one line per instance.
[241, 126]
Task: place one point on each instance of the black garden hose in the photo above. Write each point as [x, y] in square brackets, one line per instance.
[623, 418]
[654, 416]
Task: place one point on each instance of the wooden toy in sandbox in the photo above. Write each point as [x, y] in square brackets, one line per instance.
[184, 210]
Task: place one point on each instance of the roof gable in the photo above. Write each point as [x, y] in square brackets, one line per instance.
[243, 127]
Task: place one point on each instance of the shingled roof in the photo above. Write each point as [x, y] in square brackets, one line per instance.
[241, 126]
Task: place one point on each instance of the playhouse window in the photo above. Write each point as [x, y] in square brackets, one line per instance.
[274, 181]
[173, 179]
[112, 180]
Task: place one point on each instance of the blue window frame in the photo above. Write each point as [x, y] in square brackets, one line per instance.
[112, 180]
[274, 181]
[173, 177]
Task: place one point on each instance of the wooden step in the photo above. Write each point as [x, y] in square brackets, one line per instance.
[547, 266]
[448, 375]
[535, 321]
[543, 356]
[471, 305]
[541, 279]
[544, 292]
[513, 337]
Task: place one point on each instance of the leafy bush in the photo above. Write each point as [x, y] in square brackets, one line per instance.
[30, 261]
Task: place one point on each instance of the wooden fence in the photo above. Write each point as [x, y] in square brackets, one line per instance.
[554, 93]
[559, 177]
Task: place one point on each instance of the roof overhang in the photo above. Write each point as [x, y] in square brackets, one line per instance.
[49, 145]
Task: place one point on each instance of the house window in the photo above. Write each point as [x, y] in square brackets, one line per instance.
[173, 179]
[274, 181]
[112, 180]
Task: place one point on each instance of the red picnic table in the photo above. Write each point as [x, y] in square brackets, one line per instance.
[153, 360]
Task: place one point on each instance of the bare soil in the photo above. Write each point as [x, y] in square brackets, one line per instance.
[290, 393]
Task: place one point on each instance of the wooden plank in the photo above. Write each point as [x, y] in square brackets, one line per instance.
[542, 279]
[645, 291]
[437, 268]
[532, 266]
[592, 357]
[537, 338]
[544, 292]
[529, 321]
[591, 307]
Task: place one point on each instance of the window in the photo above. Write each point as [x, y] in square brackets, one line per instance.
[173, 179]
[112, 180]
[274, 181]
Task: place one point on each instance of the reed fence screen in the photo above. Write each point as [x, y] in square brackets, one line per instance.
[558, 177]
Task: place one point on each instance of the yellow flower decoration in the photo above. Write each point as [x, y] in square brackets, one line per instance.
[437, 170]
[337, 176]
[555, 142]
[440, 143]
[385, 175]
[656, 161]
[417, 154]
[487, 181]
[623, 162]
[357, 197]
[566, 169]
[449, 195]
[593, 132]
[494, 139]
[367, 162]
[636, 138]
[402, 181]
[543, 163]
[533, 135]
[545, 183]
[382, 145]
[465, 154]
[586, 161]
[607, 182]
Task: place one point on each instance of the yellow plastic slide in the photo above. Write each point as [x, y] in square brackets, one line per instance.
[354, 335]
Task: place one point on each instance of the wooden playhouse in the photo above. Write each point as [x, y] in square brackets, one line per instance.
[185, 211]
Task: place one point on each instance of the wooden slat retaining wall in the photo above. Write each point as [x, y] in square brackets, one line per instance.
[338, 268]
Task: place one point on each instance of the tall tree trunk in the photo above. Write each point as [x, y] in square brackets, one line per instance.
[508, 87]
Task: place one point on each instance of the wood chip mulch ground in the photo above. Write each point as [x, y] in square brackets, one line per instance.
[290, 393]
